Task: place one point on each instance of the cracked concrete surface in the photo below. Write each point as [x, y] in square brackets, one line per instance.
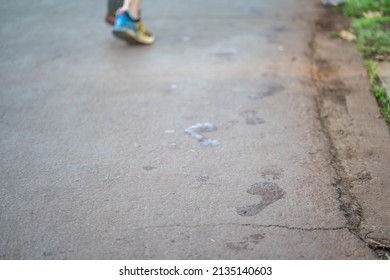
[242, 225]
[359, 139]
[89, 172]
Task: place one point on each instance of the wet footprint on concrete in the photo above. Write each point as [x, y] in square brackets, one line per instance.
[272, 173]
[251, 118]
[274, 31]
[254, 10]
[270, 193]
[196, 132]
[247, 243]
[230, 55]
[148, 168]
[266, 90]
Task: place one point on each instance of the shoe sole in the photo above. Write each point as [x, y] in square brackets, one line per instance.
[125, 34]
[130, 36]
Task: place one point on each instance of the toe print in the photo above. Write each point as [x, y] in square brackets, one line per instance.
[248, 243]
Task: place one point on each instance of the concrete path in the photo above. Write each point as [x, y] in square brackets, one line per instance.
[94, 159]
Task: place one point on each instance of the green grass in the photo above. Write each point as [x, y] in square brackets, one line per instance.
[356, 8]
[373, 36]
[373, 41]
[378, 90]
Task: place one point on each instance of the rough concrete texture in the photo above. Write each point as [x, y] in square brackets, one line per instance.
[96, 164]
[359, 137]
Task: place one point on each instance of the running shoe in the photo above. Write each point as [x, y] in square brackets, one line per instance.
[131, 30]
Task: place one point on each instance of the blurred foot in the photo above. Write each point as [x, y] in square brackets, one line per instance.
[131, 30]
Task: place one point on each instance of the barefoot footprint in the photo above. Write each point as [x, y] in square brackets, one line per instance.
[266, 90]
[251, 118]
[248, 243]
[269, 191]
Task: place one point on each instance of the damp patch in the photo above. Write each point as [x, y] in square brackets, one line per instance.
[274, 32]
[251, 118]
[230, 55]
[248, 243]
[148, 168]
[272, 173]
[196, 132]
[266, 90]
[253, 10]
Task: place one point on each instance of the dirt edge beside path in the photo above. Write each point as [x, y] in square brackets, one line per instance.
[359, 139]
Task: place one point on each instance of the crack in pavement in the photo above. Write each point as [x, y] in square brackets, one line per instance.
[303, 229]
[348, 203]
[332, 111]
[249, 225]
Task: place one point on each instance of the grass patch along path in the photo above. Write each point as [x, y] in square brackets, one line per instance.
[371, 26]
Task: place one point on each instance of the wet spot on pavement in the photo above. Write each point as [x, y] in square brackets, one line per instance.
[251, 118]
[253, 10]
[365, 176]
[196, 132]
[362, 177]
[270, 75]
[47, 254]
[270, 193]
[266, 90]
[230, 55]
[274, 31]
[230, 124]
[247, 243]
[272, 173]
[279, 29]
[149, 168]
[336, 91]
[202, 178]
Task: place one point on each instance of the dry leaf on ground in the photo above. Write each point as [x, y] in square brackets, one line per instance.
[371, 14]
[346, 35]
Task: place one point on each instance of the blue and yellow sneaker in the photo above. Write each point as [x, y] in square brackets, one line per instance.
[131, 30]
